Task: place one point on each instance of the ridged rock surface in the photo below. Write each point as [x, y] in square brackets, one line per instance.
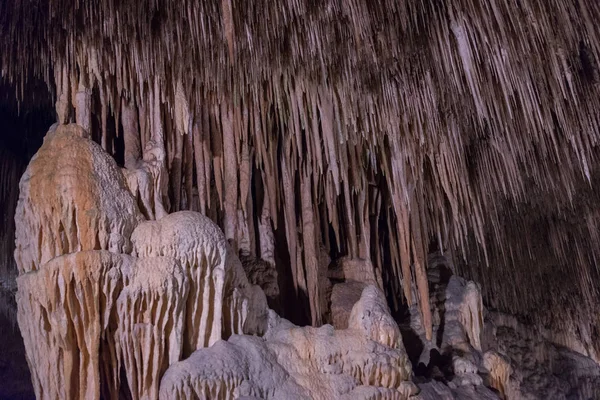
[365, 361]
[151, 311]
[221, 301]
[66, 313]
[73, 197]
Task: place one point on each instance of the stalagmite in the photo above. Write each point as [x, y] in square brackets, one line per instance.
[354, 269]
[72, 198]
[500, 371]
[151, 311]
[65, 312]
[220, 298]
[374, 129]
[343, 297]
[464, 305]
[294, 362]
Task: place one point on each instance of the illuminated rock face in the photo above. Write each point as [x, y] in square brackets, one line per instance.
[97, 321]
[110, 304]
[221, 301]
[73, 197]
[113, 305]
[65, 312]
[365, 361]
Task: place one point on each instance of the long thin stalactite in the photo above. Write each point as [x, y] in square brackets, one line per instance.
[435, 116]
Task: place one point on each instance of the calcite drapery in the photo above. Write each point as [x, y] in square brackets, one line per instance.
[221, 299]
[365, 361]
[151, 310]
[73, 198]
[98, 323]
[65, 313]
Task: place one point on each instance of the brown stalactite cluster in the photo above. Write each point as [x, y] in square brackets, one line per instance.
[445, 120]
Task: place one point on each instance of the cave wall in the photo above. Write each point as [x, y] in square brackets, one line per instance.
[448, 122]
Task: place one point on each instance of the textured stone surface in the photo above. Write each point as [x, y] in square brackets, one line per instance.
[66, 313]
[343, 297]
[73, 198]
[151, 311]
[365, 361]
[221, 301]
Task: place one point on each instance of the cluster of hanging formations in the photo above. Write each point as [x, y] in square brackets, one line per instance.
[366, 128]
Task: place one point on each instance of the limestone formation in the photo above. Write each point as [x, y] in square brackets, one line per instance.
[100, 323]
[500, 371]
[457, 312]
[365, 361]
[343, 297]
[151, 311]
[221, 301]
[261, 273]
[145, 178]
[73, 198]
[351, 269]
[67, 310]
[364, 131]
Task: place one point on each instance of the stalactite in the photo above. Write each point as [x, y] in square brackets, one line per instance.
[201, 181]
[310, 250]
[83, 106]
[483, 110]
[131, 138]
[63, 102]
[265, 232]
[230, 172]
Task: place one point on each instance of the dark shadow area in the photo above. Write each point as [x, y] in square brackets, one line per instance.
[15, 380]
[22, 129]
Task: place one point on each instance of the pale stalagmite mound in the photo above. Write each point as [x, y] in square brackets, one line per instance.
[365, 361]
[100, 323]
[221, 300]
[151, 311]
[97, 322]
[73, 197]
[66, 313]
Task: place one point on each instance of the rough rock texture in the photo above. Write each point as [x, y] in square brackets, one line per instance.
[151, 311]
[365, 361]
[144, 179]
[73, 198]
[169, 320]
[540, 368]
[500, 370]
[457, 311]
[66, 311]
[343, 297]
[98, 323]
[221, 301]
[437, 390]
[452, 365]
[261, 273]
[354, 269]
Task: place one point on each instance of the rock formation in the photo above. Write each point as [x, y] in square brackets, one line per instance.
[151, 313]
[221, 300]
[332, 145]
[365, 361]
[73, 198]
[66, 314]
[95, 320]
